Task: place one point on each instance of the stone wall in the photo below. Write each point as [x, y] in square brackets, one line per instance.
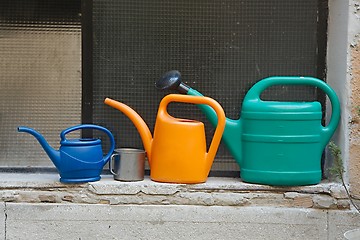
[38, 206]
[45, 188]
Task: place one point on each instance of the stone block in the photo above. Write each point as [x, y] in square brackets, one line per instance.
[324, 202]
[299, 200]
[95, 221]
[109, 186]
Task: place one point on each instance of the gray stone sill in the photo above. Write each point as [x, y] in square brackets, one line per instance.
[41, 187]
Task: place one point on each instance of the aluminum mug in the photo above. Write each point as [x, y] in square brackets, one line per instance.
[128, 164]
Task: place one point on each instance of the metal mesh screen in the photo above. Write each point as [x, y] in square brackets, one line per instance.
[40, 76]
[221, 48]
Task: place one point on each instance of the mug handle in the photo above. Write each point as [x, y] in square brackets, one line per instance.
[110, 163]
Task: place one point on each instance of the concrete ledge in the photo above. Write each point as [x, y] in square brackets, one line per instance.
[46, 188]
[38, 206]
[99, 221]
[161, 222]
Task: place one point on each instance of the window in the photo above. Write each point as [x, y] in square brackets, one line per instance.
[221, 48]
[40, 76]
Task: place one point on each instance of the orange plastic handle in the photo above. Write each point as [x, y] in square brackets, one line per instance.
[200, 100]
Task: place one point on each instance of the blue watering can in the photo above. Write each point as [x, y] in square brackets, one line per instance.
[77, 160]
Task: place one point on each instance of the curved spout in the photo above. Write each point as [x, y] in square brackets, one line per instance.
[232, 132]
[53, 154]
[139, 123]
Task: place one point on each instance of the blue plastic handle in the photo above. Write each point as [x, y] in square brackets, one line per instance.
[92, 126]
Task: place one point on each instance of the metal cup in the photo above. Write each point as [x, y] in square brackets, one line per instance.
[127, 164]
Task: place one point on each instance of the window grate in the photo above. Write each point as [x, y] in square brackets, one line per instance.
[221, 48]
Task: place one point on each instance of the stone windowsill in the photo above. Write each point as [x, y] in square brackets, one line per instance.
[20, 187]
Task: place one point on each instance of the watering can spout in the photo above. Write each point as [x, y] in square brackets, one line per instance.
[232, 132]
[139, 123]
[53, 154]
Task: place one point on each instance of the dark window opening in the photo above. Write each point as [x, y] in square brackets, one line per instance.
[221, 48]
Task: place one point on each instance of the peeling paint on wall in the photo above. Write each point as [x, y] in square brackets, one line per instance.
[354, 51]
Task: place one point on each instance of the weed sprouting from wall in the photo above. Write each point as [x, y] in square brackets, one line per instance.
[337, 170]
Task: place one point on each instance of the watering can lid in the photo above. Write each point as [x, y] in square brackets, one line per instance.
[80, 142]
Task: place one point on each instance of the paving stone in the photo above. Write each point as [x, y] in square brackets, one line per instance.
[68, 221]
[342, 221]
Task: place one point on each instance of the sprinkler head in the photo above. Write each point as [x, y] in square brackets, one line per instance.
[172, 81]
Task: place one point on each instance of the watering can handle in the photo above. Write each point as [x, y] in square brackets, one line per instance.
[200, 100]
[254, 93]
[91, 126]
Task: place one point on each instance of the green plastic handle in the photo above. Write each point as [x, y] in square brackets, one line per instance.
[253, 95]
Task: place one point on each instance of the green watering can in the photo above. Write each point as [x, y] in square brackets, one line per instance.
[274, 142]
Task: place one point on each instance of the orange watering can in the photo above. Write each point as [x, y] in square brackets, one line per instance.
[177, 151]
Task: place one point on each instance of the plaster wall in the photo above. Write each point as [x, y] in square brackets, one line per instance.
[354, 78]
[337, 70]
[343, 75]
